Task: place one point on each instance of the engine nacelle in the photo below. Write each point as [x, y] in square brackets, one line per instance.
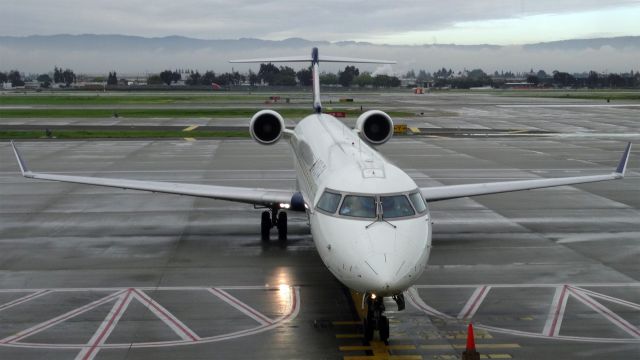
[266, 127]
[375, 127]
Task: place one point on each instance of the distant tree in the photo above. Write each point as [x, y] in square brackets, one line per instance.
[563, 79]
[68, 77]
[615, 80]
[286, 76]
[304, 77]
[194, 78]
[208, 78]
[268, 72]
[154, 79]
[386, 81]
[533, 79]
[328, 79]
[542, 74]
[477, 74]
[167, 77]
[423, 76]
[253, 78]
[345, 78]
[15, 78]
[411, 74]
[44, 80]
[57, 75]
[363, 80]
[175, 76]
[112, 79]
[3, 77]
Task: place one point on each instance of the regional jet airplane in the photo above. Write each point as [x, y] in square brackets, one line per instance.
[369, 220]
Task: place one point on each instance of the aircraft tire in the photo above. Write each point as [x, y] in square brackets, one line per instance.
[265, 226]
[282, 226]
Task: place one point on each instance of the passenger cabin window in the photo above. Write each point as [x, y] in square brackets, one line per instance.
[418, 202]
[329, 202]
[396, 206]
[358, 206]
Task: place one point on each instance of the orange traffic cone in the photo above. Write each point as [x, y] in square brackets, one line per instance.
[470, 353]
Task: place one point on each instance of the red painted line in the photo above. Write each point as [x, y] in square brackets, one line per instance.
[243, 305]
[108, 327]
[609, 315]
[167, 316]
[557, 312]
[67, 316]
[475, 302]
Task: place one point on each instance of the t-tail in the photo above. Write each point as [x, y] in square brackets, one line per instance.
[315, 60]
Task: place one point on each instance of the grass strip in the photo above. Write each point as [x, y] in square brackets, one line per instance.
[164, 113]
[119, 134]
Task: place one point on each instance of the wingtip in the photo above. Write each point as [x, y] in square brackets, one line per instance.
[622, 165]
[21, 163]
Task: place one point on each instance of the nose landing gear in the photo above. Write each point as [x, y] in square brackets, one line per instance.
[375, 320]
[270, 218]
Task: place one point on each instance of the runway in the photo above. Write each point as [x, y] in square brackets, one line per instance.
[93, 273]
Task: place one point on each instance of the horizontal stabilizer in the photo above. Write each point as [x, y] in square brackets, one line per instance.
[334, 59]
[272, 60]
[354, 60]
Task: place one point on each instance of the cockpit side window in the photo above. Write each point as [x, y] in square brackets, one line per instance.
[358, 206]
[396, 206]
[329, 202]
[418, 202]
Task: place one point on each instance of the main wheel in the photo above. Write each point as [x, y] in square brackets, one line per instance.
[282, 225]
[384, 328]
[265, 225]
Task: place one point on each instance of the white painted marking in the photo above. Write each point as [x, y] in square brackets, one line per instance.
[58, 319]
[604, 311]
[24, 299]
[556, 312]
[415, 299]
[609, 298]
[242, 307]
[567, 105]
[106, 328]
[182, 330]
[474, 302]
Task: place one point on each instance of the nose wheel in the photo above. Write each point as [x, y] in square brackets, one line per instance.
[375, 320]
[273, 218]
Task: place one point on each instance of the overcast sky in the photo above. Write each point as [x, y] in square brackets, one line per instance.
[393, 22]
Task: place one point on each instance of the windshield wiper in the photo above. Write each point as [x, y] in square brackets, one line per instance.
[380, 217]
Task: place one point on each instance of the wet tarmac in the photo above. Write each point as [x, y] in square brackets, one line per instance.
[87, 272]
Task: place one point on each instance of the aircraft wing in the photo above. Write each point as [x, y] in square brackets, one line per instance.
[266, 197]
[447, 192]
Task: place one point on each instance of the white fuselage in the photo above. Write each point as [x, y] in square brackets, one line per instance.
[379, 255]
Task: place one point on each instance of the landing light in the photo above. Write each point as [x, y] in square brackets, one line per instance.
[285, 206]
[373, 296]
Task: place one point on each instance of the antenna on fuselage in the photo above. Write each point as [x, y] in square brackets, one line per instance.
[315, 64]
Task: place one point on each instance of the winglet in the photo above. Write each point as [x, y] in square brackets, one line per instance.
[622, 165]
[23, 167]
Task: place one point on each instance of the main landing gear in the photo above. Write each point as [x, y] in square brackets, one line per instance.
[375, 320]
[270, 218]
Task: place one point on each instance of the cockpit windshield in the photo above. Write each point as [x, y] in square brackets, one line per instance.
[370, 206]
[418, 202]
[396, 206]
[329, 202]
[359, 206]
